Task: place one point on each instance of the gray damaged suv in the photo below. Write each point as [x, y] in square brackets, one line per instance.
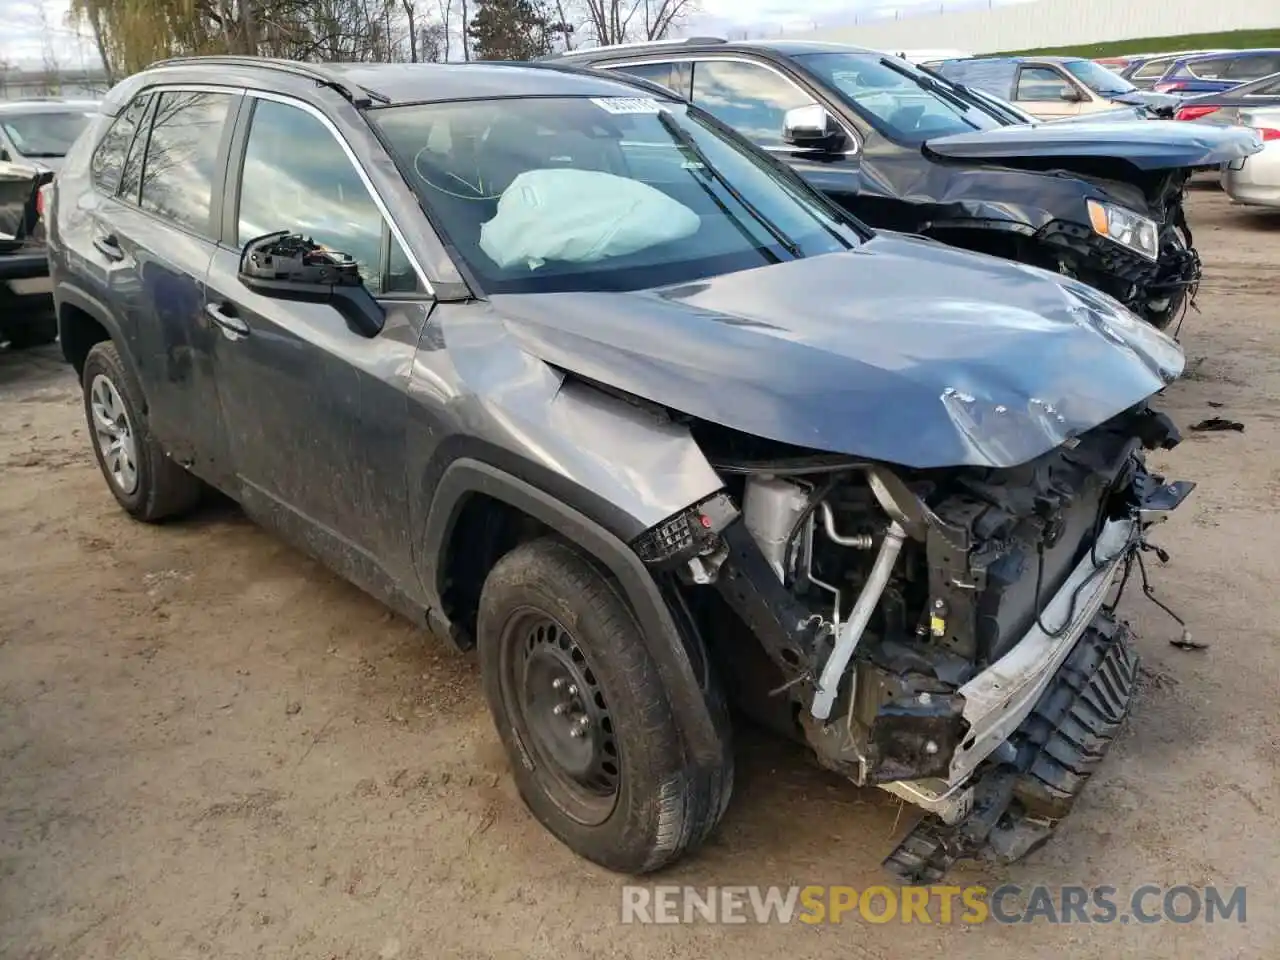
[565, 370]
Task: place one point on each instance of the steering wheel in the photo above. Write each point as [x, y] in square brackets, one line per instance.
[459, 187]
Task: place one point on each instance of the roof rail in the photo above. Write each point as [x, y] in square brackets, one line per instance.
[673, 42]
[563, 66]
[310, 71]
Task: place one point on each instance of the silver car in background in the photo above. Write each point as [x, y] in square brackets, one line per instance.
[1257, 180]
[39, 132]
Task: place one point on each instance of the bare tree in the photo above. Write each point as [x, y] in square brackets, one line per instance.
[50, 83]
[409, 14]
[446, 12]
[94, 18]
[433, 43]
[566, 27]
[619, 21]
[130, 34]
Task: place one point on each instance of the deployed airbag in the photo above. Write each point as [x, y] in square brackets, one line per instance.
[580, 216]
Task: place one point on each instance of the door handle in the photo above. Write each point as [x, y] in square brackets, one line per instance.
[109, 246]
[233, 327]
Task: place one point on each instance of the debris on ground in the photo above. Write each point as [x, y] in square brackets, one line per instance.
[1218, 424]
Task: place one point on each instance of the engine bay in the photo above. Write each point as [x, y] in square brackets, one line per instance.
[877, 593]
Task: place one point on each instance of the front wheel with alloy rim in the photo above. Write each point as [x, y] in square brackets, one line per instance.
[586, 721]
[146, 482]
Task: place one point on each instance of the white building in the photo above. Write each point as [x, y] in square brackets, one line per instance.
[1053, 23]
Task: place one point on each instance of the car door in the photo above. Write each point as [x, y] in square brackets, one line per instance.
[316, 411]
[153, 234]
[1204, 75]
[753, 98]
[1042, 92]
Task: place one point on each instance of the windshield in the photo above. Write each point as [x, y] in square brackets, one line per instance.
[909, 105]
[572, 193]
[45, 134]
[1098, 78]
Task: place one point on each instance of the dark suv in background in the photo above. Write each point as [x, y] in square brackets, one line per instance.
[26, 311]
[904, 149]
[35, 135]
[559, 366]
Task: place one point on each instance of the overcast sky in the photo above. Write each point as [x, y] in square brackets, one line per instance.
[27, 37]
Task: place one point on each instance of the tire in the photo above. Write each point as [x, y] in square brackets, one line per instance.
[624, 795]
[155, 488]
[37, 331]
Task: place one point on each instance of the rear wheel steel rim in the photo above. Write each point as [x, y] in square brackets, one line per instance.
[113, 433]
[561, 713]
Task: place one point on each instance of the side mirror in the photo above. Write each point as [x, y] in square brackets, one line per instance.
[287, 266]
[1072, 95]
[811, 127]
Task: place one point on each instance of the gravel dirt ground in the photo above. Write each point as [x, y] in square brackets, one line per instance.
[210, 746]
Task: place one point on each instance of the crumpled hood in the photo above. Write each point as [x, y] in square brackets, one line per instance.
[905, 351]
[1162, 102]
[1147, 144]
[1126, 113]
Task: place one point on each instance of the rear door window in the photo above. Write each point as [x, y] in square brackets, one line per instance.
[131, 179]
[1152, 70]
[1252, 68]
[1039, 84]
[108, 161]
[1209, 69]
[178, 172]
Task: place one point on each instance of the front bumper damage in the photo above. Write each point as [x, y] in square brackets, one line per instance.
[1013, 806]
[948, 636]
[1024, 735]
[998, 700]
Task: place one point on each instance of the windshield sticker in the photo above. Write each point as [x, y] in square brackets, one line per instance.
[627, 104]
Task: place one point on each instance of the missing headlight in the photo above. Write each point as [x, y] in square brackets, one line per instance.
[687, 534]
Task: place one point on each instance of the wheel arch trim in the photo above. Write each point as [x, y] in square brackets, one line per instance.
[663, 638]
[68, 295]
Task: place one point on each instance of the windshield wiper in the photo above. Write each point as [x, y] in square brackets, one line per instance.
[927, 82]
[958, 87]
[682, 137]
